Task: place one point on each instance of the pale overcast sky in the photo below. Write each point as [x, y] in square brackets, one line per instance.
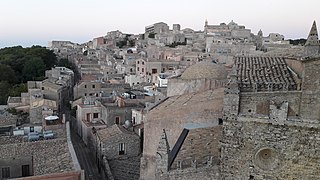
[28, 22]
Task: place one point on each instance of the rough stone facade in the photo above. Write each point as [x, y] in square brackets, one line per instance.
[198, 155]
[173, 115]
[44, 157]
[261, 150]
[123, 163]
[272, 134]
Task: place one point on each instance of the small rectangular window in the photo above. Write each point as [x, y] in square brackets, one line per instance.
[6, 172]
[133, 120]
[95, 115]
[93, 86]
[122, 148]
[85, 86]
[25, 170]
[118, 120]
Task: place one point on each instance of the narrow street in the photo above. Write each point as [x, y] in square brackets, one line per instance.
[85, 158]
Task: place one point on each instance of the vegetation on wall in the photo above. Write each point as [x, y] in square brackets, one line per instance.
[19, 65]
[297, 41]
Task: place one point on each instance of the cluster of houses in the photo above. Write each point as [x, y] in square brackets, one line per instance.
[164, 104]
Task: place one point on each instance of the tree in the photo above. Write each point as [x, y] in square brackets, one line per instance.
[4, 92]
[7, 74]
[33, 69]
[17, 89]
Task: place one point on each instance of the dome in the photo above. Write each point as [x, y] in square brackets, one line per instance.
[206, 70]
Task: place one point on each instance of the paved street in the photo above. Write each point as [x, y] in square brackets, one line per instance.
[85, 158]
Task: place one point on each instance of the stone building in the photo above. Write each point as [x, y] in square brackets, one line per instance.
[195, 155]
[97, 88]
[39, 157]
[150, 69]
[232, 30]
[156, 28]
[199, 77]
[270, 127]
[271, 119]
[118, 152]
[8, 121]
[173, 115]
[312, 46]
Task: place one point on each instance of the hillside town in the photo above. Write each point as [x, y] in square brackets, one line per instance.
[171, 103]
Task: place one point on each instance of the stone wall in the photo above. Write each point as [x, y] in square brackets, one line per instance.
[111, 146]
[128, 168]
[200, 148]
[257, 103]
[124, 113]
[295, 65]
[48, 156]
[203, 173]
[266, 151]
[180, 86]
[198, 158]
[172, 115]
[310, 103]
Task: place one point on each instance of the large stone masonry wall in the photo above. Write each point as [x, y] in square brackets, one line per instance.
[200, 148]
[180, 86]
[128, 168]
[172, 115]
[48, 156]
[252, 103]
[203, 173]
[266, 151]
[199, 156]
[310, 103]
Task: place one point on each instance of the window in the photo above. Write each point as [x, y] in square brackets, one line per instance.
[31, 129]
[133, 120]
[117, 120]
[93, 86]
[154, 71]
[85, 94]
[142, 63]
[6, 172]
[95, 115]
[122, 149]
[88, 117]
[85, 86]
[137, 68]
[138, 62]
[25, 170]
[42, 88]
[142, 69]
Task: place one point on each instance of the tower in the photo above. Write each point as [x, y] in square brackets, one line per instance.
[205, 26]
[312, 46]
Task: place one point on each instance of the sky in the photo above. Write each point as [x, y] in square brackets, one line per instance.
[36, 22]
